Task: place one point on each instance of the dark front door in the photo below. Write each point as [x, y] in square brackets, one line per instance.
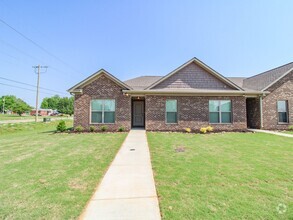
[138, 114]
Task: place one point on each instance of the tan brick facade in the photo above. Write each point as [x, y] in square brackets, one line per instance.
[282, 90]
[102, 88]
[193, 112]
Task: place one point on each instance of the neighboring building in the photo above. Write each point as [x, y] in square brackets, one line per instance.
[193, 95]
[42, 112]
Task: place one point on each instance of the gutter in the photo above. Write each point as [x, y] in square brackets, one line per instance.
[198, 93]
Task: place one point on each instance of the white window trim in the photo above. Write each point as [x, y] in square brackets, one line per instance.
[103, 112]
[287, 112]
[170, 123]
[220, 112]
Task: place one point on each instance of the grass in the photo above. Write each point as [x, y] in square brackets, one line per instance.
[223, 176]
[50, 176]
[288, 132]
[6, 117]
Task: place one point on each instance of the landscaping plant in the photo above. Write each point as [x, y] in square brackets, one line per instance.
[104, 128]
[79, 128]
[61, 126]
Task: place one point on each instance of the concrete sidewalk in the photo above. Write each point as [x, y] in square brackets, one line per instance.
[32, 120]
[127, 190]
[272, 132]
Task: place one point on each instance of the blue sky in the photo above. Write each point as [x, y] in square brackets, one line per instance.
[132, 38]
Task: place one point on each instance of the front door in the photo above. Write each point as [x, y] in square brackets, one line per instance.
[138, 114]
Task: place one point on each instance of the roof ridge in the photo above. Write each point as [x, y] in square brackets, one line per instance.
[269, 70]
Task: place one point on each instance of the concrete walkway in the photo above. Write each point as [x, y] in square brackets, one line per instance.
[127, 190]
[272, 132]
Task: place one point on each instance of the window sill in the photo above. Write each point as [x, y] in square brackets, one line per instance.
[283, 123]
[102, 123]
[171, 123]
[221, 123]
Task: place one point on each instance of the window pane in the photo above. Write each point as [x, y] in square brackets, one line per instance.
[225, 106]
[96, 117]
[283, 117]
[97, 105]
[109, 117]
[282, 106]
[213, 106]
[214, 117]
[171, 117]
[226, 117]
[109, 105]
[171, 105]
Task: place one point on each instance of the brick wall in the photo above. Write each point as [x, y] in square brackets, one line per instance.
[102, 88]
[193, 76]
[282, 90]
[253, 112]
[193, 112]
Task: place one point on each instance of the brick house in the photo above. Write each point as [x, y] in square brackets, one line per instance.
[193, 95]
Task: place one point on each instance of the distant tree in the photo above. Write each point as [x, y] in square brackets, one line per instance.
[20, 106]
[51, 103]
[63, 105]
[66, 105]
[14, 104]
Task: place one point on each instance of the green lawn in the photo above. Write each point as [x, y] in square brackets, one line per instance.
[50, 176]
[288, 132]
[223, 176]
[6, 117]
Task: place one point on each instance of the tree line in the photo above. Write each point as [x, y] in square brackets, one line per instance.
[16, 105]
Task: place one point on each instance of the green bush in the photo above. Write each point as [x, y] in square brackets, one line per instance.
[79, 128]
[61, 126]
[104, 128]
[290, 128]
[92, 128]
[121, 129]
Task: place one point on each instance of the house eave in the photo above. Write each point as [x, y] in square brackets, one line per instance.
[196, 93]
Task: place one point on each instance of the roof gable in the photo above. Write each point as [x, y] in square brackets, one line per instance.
[266, 79]
[194, 74]
[78, 87]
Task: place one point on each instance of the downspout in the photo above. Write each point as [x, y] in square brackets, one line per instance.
[260, 109]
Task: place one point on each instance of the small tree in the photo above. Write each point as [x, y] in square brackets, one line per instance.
[61, 126]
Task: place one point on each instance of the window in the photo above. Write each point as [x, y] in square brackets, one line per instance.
[103, 111]
[283, 111]
[171, 111]
[220, 111]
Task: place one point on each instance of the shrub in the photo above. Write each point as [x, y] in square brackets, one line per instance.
[121, 129]
[61, 126]
[92, 128]
[203, 130]
[209, 128]
[290, 128]
[104, 128]
[79, 128]
[188, 130]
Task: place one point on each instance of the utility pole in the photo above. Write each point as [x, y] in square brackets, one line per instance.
[39, 67]
[3, 105]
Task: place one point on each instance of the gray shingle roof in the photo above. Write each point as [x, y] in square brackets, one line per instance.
[142, 82]
[237, 80]
[262, 80]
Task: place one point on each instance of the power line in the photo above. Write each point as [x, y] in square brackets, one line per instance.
[32, 85]
[30, 56]
[38, 45]
[25, 88]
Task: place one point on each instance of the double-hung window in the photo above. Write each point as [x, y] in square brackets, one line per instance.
[103, 111]
[171, 111]
[220, 111]
[282, 111]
